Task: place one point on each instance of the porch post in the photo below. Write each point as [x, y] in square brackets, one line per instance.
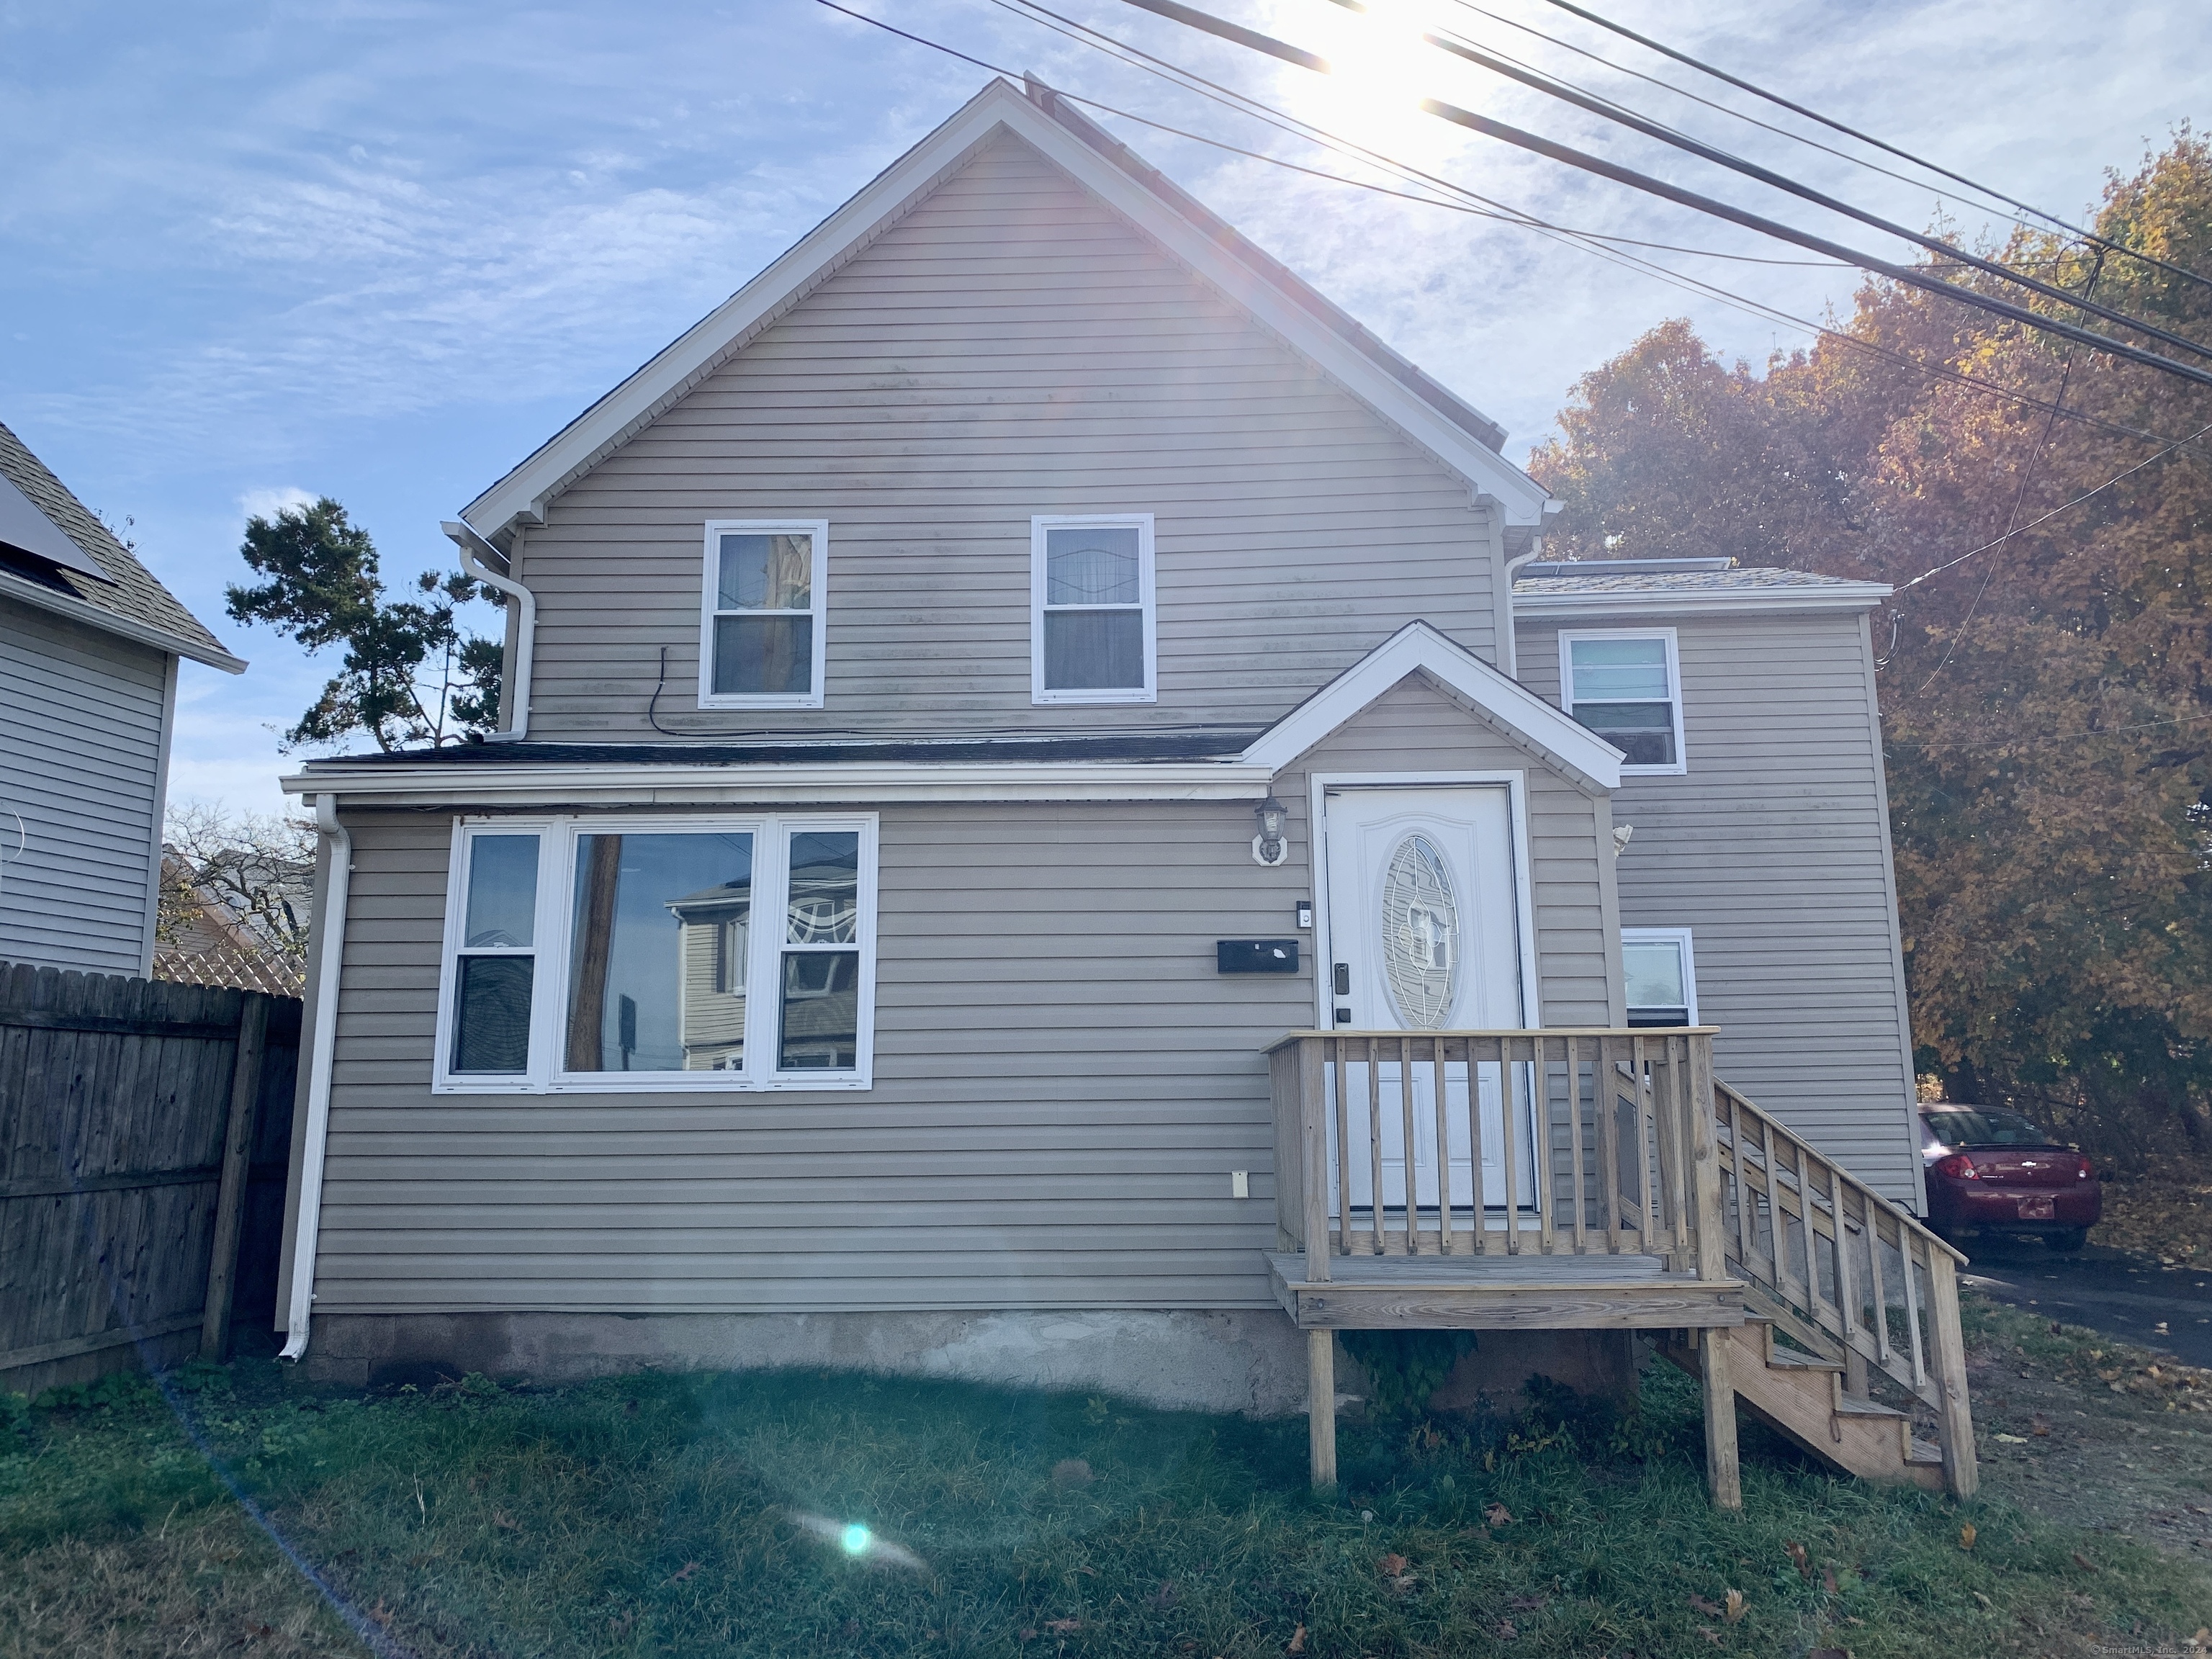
[1722, 1475]
[1321, 1406]
[1961, 1472]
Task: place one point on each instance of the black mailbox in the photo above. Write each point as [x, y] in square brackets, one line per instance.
[1256, 956]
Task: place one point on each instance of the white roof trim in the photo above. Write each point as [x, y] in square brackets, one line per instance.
[1418, 648]
[823, 783]
[526, 492]
[13, 586]
[1763, 601]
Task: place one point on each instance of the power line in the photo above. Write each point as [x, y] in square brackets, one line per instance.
[1553, 87]
[1551, 150]
[1867, 138]
[1499, 212]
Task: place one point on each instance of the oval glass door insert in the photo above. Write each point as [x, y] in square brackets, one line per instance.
[1420, 934]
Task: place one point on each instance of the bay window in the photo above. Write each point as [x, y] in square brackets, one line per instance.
[676, 953]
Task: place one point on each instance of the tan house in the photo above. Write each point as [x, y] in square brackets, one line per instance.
[1053, 826]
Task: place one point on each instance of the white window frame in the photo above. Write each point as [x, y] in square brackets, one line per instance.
[1147, 599]
[1679, 936]
[1568, 636]
[817, 592]
[549, 999]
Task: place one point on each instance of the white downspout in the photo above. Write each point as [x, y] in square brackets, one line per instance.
[329, 967]
[473, 546]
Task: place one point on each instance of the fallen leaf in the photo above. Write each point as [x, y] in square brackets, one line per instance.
[1800, 1560]
[1828, 1580]
[1709, 1634]
[1165, 1596]
[1528, 1603]
[1967, 1536]
[1505, 1631]
[1391, 1565]
[1988, 1606]
[2084, 1562]
[2012, 1439]
[1497, 1515]
[1063, 1625]
[1711, 1609]
[1736, 1607]
[501, 1518]
[2041, 1430]
[681, 1573]
[1070, 1472]
[1829, 1653]
[1298, 1641]
[381, 1613]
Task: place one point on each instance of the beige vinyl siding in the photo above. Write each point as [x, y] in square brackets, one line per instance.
[80, 747]
[1062, 1085]
[1417, 728]
[1774, 849]
[1008, 348]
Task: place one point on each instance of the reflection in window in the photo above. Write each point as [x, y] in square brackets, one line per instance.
[1620, 688]
[497, 965]
[764, 614]
[821, 988]
[1420, 934]
[1657, 970]
[1092, 617]
[650, 983]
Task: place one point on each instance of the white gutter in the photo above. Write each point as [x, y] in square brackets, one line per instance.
[472, 546]
[329, 967]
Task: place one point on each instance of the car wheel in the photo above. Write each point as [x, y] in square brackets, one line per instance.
[2067, 1239]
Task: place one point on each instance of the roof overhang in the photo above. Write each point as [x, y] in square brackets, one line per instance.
[524, 494]
[517, 784]
[1418, 648]
[1840, 597]
[24, 592]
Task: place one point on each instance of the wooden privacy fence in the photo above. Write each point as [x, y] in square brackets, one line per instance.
[144, 1133]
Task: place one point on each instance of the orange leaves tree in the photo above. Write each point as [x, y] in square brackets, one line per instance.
[2047, 699]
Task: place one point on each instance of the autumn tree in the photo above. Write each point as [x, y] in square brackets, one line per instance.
[408, 674]
[2046, 671]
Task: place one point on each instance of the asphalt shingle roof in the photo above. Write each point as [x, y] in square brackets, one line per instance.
[133, 594]
[1679, 581]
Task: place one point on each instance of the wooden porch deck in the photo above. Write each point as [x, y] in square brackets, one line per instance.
[1594, 1179]
[1503, 1292]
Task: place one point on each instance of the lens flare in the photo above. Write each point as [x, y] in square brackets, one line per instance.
[855, 1538]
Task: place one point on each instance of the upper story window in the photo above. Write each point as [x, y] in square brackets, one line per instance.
[619, 953]
[1662, 975]
[1627, 687]
[760, 634]
[1093, 634]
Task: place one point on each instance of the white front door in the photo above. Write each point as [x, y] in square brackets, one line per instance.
[1424, 935]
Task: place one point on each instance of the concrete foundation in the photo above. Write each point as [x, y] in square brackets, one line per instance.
[1251, 1361]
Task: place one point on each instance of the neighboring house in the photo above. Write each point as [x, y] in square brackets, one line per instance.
[89, 644]
[200, 941]
[841, 956]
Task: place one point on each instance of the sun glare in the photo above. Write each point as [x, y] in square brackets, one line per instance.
[1381, 71]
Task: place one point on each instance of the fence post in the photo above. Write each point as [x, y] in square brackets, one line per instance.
[230, 1196]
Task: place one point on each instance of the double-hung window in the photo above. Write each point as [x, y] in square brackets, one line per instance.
[761, 626]
[617, 953]
[1662, 975]
[1627, 687]
[1092, 629]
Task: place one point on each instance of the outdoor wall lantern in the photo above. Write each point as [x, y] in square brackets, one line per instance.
[1269, 847]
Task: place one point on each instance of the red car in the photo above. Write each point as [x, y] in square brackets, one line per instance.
[1991, 1170]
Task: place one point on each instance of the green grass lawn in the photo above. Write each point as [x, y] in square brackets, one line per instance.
[237, 1510]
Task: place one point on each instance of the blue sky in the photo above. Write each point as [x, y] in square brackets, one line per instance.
[380, 251]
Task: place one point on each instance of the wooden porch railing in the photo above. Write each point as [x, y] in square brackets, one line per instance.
[1592, 1142]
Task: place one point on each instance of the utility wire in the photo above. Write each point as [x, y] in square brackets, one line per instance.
[1776, 99]
[1582, 241]
[1586, 162]
[1553, 87]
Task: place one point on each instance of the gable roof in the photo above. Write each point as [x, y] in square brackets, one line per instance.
[1418, 648]
[1459, 437]
[128, 602]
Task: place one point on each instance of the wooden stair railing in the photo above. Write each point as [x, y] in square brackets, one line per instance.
[1843, 1272]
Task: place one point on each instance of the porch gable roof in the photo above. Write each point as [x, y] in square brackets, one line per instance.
[1418, 648]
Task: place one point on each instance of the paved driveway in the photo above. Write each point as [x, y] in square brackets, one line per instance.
[2101, 1289]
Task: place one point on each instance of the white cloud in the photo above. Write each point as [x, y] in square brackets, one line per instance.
[269, 502]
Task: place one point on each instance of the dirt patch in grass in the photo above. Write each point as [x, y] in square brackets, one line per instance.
[818, 1514]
